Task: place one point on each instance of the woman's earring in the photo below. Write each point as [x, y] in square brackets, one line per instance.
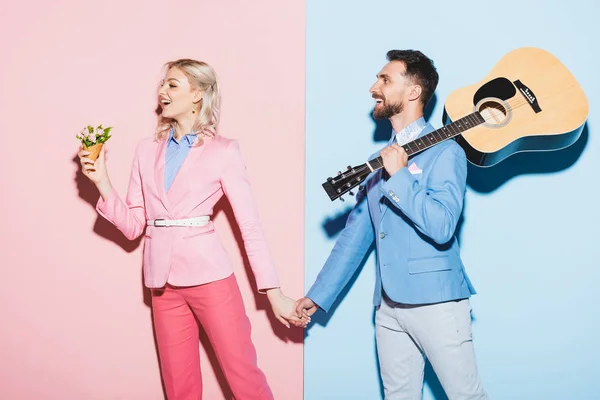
[193, 110]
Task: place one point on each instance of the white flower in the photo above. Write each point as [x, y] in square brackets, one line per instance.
[91, 134]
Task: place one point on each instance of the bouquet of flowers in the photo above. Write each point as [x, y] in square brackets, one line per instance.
[92, 139]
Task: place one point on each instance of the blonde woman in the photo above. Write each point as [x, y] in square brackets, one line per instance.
[176, 179]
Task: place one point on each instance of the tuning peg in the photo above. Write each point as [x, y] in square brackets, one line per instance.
[329, 179]
[349, 167]
[351, 193]
[339, 172]
[342, 199]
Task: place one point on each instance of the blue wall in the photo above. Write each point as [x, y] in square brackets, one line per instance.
[530, 233]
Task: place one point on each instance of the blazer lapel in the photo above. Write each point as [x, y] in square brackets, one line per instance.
[180, 186]
[383, 201]
[159, 175]
[374, 195]
[381, 175]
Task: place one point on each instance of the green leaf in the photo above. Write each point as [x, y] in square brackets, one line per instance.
[103, 139]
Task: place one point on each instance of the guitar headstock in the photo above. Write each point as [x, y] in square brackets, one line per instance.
[345, 181]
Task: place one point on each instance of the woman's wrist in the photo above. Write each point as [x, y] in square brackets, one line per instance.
[274, 293]
[105, 188]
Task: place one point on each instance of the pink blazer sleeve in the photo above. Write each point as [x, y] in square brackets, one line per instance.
[129, 216]
[236, 187]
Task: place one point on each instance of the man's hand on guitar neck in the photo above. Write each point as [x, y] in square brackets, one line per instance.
[394, 158]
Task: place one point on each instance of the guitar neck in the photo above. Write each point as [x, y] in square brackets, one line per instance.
[431, 139]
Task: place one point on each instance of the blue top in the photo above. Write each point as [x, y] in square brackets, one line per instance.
[410, 132]
[176, 154]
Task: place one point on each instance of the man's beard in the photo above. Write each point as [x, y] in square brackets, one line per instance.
[387, 111]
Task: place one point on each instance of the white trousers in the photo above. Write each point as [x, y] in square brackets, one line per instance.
[441, 332]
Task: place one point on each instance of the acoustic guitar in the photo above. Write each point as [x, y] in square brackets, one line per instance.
[528, 102]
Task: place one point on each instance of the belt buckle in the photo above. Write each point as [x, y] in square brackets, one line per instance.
[159, 220]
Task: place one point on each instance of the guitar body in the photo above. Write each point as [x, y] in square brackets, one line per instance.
[530, 102]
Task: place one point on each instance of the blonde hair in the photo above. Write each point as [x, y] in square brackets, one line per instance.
[201, 76]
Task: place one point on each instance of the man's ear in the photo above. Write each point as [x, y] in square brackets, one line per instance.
[415, 92]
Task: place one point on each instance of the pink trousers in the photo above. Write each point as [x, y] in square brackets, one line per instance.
[220, 310]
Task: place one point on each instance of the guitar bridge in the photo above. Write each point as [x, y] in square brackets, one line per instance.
[528, 95]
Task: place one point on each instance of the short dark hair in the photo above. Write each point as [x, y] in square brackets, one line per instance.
[420, 68]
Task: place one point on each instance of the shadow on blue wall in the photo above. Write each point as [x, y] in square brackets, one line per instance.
[487, 180]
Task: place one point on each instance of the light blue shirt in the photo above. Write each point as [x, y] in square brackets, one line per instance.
[175, 155]
[410, 132]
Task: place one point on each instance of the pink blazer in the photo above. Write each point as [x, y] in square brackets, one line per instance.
[186, 256]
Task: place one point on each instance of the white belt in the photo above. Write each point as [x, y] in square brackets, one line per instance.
[195, 221]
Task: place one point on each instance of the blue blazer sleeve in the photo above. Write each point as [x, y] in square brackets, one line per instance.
[434, 208]
[350, 249]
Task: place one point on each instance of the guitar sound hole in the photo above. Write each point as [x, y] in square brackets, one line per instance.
[495, 112]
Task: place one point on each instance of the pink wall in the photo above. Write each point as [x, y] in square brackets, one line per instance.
[64, 64]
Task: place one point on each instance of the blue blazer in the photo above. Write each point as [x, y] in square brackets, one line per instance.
[412, 217]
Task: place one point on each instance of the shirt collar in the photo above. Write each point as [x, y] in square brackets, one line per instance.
[410, 131]
[190, 138]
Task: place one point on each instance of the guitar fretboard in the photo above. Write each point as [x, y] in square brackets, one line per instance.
[439, 135]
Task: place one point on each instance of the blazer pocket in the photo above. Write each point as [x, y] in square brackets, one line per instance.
[199, 231]
[428, 264]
